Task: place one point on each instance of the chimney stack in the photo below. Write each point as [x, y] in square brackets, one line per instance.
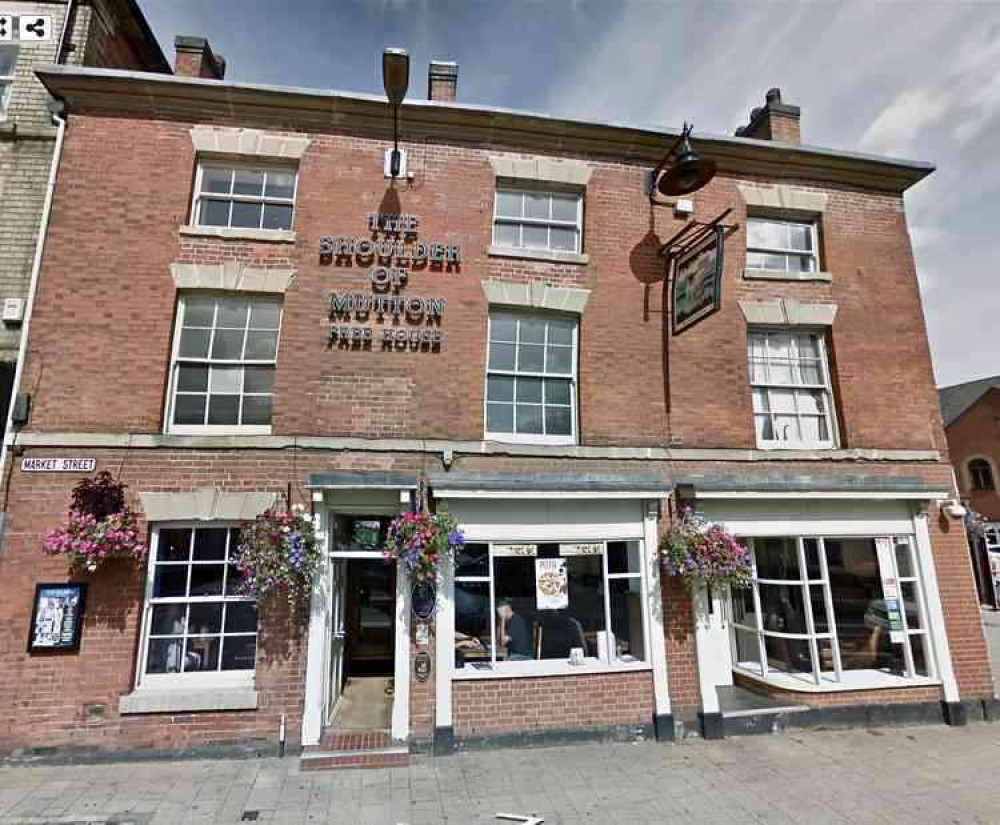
[442, 81]
[195, 58]
[773, 121]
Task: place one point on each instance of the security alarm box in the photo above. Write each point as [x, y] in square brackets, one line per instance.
[13, 310]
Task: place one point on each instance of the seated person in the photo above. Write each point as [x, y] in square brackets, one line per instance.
[514, 632]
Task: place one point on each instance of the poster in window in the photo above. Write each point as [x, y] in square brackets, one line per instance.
[551, 584]
[890, 590]
[367, 534]
[57, 617]
[697, 283]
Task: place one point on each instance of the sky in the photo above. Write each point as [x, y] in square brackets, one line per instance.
[918, 79]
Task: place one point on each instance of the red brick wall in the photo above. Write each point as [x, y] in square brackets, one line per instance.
[109, 43]
[697, 392]
[976, 434]
[491, 706]
[887, 696]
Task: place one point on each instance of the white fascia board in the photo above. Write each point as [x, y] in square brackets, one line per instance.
[937, 495]
[541, 494]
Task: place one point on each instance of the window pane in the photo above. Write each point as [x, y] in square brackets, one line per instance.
[778, 263]
[802, 263]
[280, 185]
[261, 346]
[561, 332]
[911, 604]
[228, 344]
[216, 180]
[535, 237]
[473, 560]
[747, 650]
[765, 234]
[904, 561]
[201, 654]
[764, 427]
[241, 617]
[529, 419]
[277, 216]
[776, 558]
[532, 331]
[239, 653]
[503, 328]
[199, 312]
[248, 182]
[226, 379]
[189, 409]
[918, 646]
[265, 315]
[165, 656]
[536, 205]
[507, 234]
[624, 557]
[780, 371]
[257, 410]
[558, 421]
[529, 390]
[560, 360]
[168, 619]
[258, 379]
[760, 401]
[509, 204]
[206, 579]
[233, 313]
[233, 580]
[472, 623]
[192, 378]
[558, 391]
[205, 618]
[500, 418]
[531, 358]
[213, 213]
[246, 215]
[783, 612]
[813, 569]
[174, 545]
[800, 237]
[563, 239]
[223, 409]
[810, 372]
[501, 356]
[564, 207]
[210, 544]
[170, 581]
[194, 343]
[500, 388]
[626, 618]
[813, 429]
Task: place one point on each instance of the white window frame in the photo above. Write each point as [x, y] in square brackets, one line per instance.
[826, 679]
[559, 667]
[219, 679]
[176, 361]
[548, 223]
[218, 163]
[825, 387]
[533, 438]
[7, 80]
[812, 255]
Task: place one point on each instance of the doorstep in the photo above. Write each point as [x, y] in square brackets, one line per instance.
[745, 712]
[355, 749]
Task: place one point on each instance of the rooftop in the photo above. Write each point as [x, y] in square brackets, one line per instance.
[956, 399]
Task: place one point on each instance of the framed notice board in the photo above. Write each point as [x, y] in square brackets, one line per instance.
[57, 617]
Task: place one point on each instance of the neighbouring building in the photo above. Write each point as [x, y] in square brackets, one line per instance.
[970, 413]
[108, 33]
[237, 305]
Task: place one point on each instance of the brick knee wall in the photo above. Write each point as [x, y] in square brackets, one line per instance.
[491, 706]
[886, 696]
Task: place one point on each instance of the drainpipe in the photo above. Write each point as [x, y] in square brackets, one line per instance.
[9, 435]
[64, 34]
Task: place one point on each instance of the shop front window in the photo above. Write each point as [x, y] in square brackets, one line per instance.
[197, 623]
[819, 609]
[548, 602]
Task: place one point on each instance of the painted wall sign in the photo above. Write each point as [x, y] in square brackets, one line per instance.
[422, 666]
[422, 598]
[697, 282]
[515, 549]
[58, 465]
[57, 617]
[407, 322]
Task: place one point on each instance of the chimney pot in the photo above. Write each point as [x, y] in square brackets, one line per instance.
[195, 58]
[774, 120]
[442, 81]
[773, 95]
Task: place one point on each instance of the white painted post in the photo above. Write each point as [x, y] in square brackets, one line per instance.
[401, 691]
[444, 643]
[317, 644]
[706, 649]
[654, 597]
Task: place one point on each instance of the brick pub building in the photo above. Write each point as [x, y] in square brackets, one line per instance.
[236, 300]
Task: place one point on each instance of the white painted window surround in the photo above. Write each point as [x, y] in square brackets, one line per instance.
[8, 66]
[782, 225]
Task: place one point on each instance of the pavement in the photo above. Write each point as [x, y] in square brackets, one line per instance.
[924, 774]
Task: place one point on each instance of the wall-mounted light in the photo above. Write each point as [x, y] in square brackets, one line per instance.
[396, 80]
[954, 508]
[688, 173]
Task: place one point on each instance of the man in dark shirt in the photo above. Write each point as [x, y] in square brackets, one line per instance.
[515, 633]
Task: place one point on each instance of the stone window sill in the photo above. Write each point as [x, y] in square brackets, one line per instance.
[774, 275]
[187, 701]
[236, 234]
[548, 255]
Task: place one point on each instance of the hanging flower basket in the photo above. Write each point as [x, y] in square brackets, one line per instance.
[703, 553]
[278, 555]
[420, 540]
[100, 527]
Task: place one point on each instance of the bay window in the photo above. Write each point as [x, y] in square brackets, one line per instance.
[197, 627]
[518, 606]
[831, 611]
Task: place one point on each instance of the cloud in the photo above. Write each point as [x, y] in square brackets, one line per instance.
[896, 131]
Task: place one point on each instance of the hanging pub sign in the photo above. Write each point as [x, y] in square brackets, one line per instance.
[57, 617]
[422, 598]
[697, 282]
